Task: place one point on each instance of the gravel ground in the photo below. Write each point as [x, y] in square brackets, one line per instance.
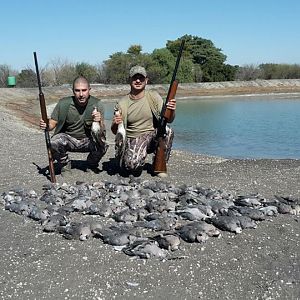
[257, 264]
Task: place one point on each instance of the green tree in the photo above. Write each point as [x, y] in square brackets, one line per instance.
[203, 53]
[269, 71]
[86, 70]
[229, 72]
[201, 61]
[163, 65]
[198, 73]
[26, 79]
[117, 67]
[279, 71]
[160, 69]
[135, 50]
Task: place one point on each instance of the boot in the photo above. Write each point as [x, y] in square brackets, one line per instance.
[66, 168]
[94, 168]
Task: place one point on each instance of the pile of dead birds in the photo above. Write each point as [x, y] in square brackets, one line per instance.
[143, 218]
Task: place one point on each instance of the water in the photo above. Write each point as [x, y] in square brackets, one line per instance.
[238, 127]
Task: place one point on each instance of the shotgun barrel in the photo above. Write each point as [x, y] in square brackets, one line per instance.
[45, 118]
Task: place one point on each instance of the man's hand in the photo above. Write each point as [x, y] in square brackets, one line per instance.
[171, 104]
[117, 119]
[96, 115]
[51, 125]
[170, 111]
[43, 125]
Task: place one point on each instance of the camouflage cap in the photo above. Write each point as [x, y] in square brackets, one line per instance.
[137, 70]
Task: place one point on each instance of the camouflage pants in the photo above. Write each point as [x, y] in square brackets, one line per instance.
[136, 149]
[62, 143]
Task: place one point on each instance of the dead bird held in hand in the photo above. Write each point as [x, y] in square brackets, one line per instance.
[120, 140]
[95, 132]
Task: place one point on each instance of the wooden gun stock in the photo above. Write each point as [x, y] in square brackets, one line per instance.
[43, 109]
[168, 114]
[159, 163]
[45, 118]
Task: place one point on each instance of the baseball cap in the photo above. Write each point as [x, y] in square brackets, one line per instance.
[137, 70]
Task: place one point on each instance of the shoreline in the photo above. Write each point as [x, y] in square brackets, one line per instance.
[24, 103]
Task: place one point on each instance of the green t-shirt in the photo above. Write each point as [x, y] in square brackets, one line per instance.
[78, 121]
[74, 123]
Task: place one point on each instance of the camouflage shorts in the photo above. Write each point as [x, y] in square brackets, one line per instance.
[136, 149]
[62, 143]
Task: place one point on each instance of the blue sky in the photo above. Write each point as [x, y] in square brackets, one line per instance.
[247, 31]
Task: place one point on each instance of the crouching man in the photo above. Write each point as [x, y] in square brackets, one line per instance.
[135, 123]
[78, 121]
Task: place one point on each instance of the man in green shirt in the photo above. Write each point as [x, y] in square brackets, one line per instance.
[138, 115]
[79, 127]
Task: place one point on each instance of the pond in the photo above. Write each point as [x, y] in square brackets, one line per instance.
[238, 126]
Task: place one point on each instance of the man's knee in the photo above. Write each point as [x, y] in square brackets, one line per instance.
[133, 164]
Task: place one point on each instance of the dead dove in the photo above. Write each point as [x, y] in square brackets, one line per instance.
[197, 231]
[116, 235]
[120, 140]
[191, 213]
[145, 249]
[192, 234]
[53, 222]
[95, 129]
[250, 201]
[254, 213]
[227, 223]
[76, 231]
[168, 241]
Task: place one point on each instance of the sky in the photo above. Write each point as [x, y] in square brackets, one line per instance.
[249, 32]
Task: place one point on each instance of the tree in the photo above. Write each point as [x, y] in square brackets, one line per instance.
[4, 73]
[101, 73]
[116, 67]
[161, 69]
[135, 50]
[248, 72]
[203, 53]
[198, 73]
[86, 70]
[201, 50]
[278, 71]
[27, 79]
[229, 72]
[64, 71]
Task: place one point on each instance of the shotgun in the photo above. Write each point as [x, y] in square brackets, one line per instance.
[159, 162]
[45, 118]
